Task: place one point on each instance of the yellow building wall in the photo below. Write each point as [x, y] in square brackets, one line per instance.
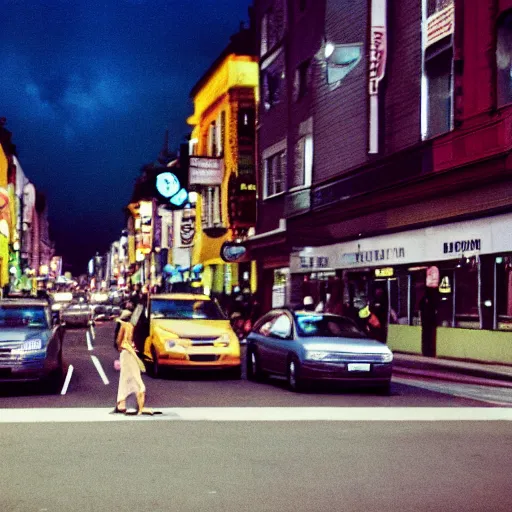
[212, 99]
[4, 166]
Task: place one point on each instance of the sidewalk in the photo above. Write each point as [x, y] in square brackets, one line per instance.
[455, 371]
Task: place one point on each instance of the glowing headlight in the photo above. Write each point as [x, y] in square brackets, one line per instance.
[387, 358]
[30, 346]
[222, 341]
[56, 307]
[316, 355]
[169, 345]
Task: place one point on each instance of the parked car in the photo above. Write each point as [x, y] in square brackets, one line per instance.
[189, 331]
[304, 346]
[30, 346]
[78, 313]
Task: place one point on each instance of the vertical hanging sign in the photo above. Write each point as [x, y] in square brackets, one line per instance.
[376, 66]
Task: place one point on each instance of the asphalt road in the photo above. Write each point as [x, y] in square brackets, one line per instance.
[90, 356]
[226, 445]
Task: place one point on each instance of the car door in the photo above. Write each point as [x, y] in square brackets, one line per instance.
[260, 338]
[279, 342]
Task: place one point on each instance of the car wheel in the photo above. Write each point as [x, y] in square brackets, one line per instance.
[254, 371]
[156, 371]
[295, 382]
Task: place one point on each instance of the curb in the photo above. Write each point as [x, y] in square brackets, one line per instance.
[436, 374]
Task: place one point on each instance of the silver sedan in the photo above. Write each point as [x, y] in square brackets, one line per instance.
[305, 346]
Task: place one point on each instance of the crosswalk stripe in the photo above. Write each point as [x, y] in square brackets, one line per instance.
[261, 414]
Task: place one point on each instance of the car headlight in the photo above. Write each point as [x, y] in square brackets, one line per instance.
[56, 307]
[222, 341]
[30, 346]
[387, 358]
[315, 355]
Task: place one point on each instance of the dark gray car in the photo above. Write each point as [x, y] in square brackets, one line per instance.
[305, 346]
[30, 345]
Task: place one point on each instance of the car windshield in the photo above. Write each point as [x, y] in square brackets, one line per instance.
[23, 316]
[329, 326]
[186, 309]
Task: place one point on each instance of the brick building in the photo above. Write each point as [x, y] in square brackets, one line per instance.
[384, 163]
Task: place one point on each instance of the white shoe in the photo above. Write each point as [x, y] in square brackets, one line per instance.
[131, 411]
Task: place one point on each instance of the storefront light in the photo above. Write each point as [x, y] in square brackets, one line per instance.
[192, 197]
[499, 260]
[16, 246]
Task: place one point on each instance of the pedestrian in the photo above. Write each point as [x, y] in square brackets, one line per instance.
[308, 303]
[131, 393]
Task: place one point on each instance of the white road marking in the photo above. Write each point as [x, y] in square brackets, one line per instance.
[93, 332]
[88, 338]
[67, 380]
[262, 414]
[491, 395]
[103, 376]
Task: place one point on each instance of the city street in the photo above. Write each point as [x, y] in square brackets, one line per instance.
[235, 445]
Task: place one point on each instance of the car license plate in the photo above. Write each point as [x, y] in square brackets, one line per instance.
[358, 367]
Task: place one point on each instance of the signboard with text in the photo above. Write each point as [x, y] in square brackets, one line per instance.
[206, 171]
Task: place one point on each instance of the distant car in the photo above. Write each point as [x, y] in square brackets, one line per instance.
[190, 331]
[60, 300]
[304, 346]
[30, 346]
[78, 313]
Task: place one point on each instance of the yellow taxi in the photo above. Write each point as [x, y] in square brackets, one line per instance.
[190, 331]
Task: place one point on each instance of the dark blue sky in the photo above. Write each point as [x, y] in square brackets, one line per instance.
[89, 87]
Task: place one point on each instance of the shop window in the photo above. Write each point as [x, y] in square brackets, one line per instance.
[445, 308]
[398, 300]
[504, 60]
[303, 164]
[504, 292]
[273, 79]
[418, 286]
[466, 294]
[275, 174]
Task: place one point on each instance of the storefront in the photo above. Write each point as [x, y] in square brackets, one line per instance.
[466, 265]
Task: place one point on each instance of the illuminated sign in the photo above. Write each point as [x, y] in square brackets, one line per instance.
[169, 187]
[231, 252]
[384, 272]
[167, 184]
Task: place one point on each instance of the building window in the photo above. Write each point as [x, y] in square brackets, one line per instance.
[272, 27]
[211, 207]
[303, 164]
[273, 76]
[438, 73]
[504, 60]
[341, 59]
[437, 80]
[275, 174]
[264, 35]
[302, 80]
[212, 140]
[221, 133]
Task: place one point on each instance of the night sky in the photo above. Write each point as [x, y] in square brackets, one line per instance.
[89, 87]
